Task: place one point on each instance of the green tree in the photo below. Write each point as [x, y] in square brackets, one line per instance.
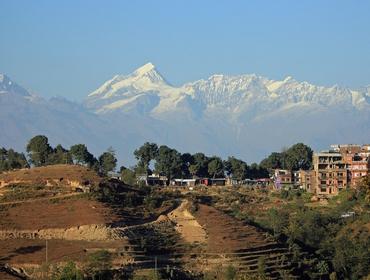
[215, 167]
[255, 171]
[168, 162]
[38, 149]
[60, 155]
[200, 165]
[145, 154]
[236, 168]
[298, 156]
[81, 155]
[10, 159]
[128, 176]
[273, 161]
[187, 161]
[107, 161]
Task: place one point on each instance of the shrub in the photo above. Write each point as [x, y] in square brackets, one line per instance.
[99, 264]
[67, 272]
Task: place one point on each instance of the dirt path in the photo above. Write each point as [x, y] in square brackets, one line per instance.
[187, 225]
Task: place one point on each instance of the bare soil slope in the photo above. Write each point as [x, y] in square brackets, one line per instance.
[63, 213]
[25, 251]
[61, 174]
[226, 234]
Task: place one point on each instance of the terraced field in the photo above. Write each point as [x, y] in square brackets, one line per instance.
[227, 241]
[173, 237]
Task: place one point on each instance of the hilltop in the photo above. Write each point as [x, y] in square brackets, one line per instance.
[66, 175]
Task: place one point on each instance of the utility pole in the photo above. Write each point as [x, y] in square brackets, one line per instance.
[46, 258]
[156, 267]
[46, 251]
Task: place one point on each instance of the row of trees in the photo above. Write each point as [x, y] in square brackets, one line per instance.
[165, 160]
[298, 156]
[10, 159]
[41, 153]
[170, 162]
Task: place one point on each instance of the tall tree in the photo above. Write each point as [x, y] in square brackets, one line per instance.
[298, 156]
[168, 162]
[10, 159]
[255, 171]
[187, 161]
[128, 176]
[107, 161]
[38, 149]
[145, 154]
[216, 167]
[81, 155]
[273, 161]
[236, 168]
[60, 156]
[200, 165]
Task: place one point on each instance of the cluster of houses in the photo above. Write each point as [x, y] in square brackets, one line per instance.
[341, 167]
[157, 180]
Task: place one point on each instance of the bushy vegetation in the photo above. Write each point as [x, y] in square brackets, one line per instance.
[9, 159]
[67, 272]
[99, 265]
[19, 192]
[340, 242]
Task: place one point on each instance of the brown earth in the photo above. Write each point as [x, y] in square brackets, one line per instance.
[25, 251]
[226, 234]
[64, 213]
[61, 174]
[6, 276]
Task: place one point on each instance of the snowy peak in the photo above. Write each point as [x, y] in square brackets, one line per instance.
[8, 86]
[144, 69]
[122, 90]
[5, 81]
[144, 78]
[148, 71]
[236, 94]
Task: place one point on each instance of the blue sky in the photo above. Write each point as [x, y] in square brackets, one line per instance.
[70, 47]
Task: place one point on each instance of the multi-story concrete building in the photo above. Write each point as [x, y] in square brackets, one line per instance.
[283, 178]
[357, 159]
[330, 175]
[343, 166]
[306, 180]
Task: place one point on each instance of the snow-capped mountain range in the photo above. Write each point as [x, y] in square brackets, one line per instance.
[247, 116]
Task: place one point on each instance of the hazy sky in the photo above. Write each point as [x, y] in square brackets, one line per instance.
[69, 48]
